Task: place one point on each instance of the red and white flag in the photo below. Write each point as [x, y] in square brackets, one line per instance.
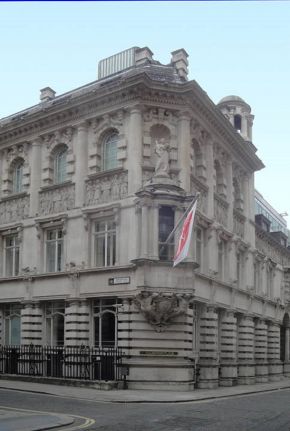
[185, 237]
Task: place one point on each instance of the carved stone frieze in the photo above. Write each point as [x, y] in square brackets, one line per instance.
[56, 200]
[115, 120]
[59, 137]
[160, 310]
[106, 188]
[14, 209]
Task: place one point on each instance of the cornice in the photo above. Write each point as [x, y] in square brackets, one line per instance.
[262, 234]
[119, 92]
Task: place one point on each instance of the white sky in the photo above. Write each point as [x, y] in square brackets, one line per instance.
[234, 47]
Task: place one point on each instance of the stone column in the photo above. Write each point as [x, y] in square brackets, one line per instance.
[208, 349]
[31, 324]
[249, 209]
[35, 177]
[275, 365]
[230, 193]
[124, 326]
[246, 368]
[210, 181]
[81, 164]
[228, 349]
[261, 346]
[184, 150]
[155, 231]
[76, 323]
[144, 231]
[134, 150]
[2, 335]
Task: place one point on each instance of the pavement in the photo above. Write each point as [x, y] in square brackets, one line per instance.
[142, 396]
[24, 420]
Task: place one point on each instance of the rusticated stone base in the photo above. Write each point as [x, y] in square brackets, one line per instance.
[246, 374]
[208, 376]
[275, 372]
[262, 373]
[286, 369]
[228, 375]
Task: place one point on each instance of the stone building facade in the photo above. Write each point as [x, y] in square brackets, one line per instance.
[92, 183]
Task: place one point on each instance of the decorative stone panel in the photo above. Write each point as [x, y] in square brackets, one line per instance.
[106, 188]
[198, 187]
[14, 209]
[57, 199]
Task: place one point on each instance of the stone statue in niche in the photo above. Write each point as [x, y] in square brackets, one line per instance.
[162, 164]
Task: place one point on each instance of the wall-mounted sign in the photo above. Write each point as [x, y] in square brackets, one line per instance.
[119, 280]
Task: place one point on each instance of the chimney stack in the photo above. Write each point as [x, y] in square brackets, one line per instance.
[47, 94]
[179, 60]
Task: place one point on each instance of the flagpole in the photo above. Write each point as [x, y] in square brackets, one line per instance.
[179, 222]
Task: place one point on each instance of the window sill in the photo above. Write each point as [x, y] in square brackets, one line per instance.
[55, 186]
[14, 196]
[107, 173]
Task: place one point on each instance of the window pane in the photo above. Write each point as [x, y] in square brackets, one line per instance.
[60, 166]
[9, 262]
[17, 178]
[97, 330]
[166, 225]
[59, 255]
[108, 329]
[58, 330]
[50, 257]
[110, 152]
[15, 330]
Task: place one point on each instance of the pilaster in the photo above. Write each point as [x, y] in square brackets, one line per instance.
[135, 145]
[31, 323]
[208, 349]
[81, 149]
[246, 368]
[35, 182]
[228, 349]
[275, 365]
[261, 346]
[184, 150]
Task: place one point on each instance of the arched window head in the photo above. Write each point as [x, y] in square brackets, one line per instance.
[238, 123]
[60, 157]
[17, 176]
[110, 145]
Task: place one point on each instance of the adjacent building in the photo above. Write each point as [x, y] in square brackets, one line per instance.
[93, 182]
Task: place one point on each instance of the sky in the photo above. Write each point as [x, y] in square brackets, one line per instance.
[234, 47]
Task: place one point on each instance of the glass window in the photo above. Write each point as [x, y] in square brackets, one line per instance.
[54, 250]
[238, 123]
[105, 322]
[17, 177]
[110, 145]
[11, 255]
[105, 242]
[166, 226]
[54, 323]
[60, 166]
[12, 324]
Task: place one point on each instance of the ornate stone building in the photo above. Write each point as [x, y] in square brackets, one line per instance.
[92, 183]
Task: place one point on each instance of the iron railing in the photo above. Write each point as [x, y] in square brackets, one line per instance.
[79, 362]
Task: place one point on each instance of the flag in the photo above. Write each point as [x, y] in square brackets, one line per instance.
[185, 237]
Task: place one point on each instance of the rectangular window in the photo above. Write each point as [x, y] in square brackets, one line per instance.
[11, 255]
[54, 323]
[166, 226]
[105, 242]
[54, 250]
[12, 324]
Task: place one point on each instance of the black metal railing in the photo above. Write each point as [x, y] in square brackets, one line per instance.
[79, 362]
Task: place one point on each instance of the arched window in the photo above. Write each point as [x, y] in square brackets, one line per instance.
[17, 176]
[110, 145]
[238, 123]
[60, 157]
